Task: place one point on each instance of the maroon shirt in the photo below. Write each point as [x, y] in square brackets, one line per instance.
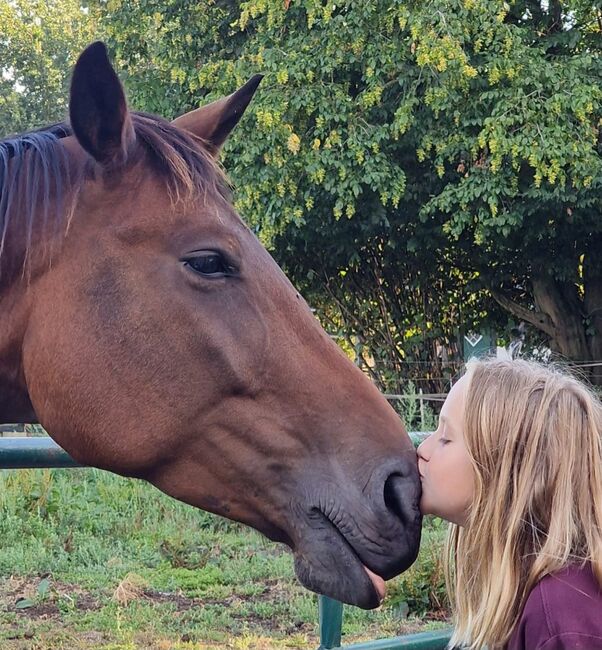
[562, 612]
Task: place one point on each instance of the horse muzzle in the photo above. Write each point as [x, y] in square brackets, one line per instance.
[341, 530]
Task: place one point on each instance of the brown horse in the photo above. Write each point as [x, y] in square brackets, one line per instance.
[146, 328]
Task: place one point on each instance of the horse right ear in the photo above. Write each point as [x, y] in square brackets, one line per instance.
[213, 122]
[98, 109]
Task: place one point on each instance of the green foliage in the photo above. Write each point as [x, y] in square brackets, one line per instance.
[40, 40]
[401, 159]
[512, 127]
[415, 416]
[421, 590]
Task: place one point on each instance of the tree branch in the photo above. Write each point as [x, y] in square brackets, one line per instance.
[555, 16]
[538, 319]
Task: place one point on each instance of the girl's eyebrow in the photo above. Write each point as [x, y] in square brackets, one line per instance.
[447, 423]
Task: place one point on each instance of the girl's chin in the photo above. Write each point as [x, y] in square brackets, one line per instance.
[427, 508]
[424, 508]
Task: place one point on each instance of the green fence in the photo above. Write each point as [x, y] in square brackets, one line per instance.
[331, 621]
[42, 452]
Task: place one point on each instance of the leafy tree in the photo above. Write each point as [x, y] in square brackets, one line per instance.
[513, 129]
[39, 40]
[405, 160]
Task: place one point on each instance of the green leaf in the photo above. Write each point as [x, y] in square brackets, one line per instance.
[43, 588]
[24, 603]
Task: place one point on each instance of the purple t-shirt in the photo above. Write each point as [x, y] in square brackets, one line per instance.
[562, 612]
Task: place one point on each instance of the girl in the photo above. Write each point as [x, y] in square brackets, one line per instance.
[516, 467]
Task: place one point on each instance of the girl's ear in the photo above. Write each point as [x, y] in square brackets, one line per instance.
[98, 109]
[214, 122]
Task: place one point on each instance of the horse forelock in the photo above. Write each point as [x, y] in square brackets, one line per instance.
[180, 158]
[40, 180]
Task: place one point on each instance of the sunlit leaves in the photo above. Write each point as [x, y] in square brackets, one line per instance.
[39, 42]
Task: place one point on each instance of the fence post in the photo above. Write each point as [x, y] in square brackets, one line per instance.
[330, 614]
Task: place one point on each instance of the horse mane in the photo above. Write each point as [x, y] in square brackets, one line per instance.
[39, 187]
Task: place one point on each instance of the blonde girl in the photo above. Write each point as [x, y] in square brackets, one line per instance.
[516, 467]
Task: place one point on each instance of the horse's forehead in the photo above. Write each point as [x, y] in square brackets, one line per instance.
[148, 211]
[193, 229]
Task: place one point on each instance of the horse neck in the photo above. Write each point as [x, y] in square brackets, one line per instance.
[37, 187]
[23, 261]
[15, 405]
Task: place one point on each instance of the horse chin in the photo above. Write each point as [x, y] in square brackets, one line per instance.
[333, 569]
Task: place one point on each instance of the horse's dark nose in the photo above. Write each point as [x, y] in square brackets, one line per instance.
[402, 492]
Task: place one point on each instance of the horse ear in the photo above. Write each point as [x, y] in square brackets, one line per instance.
[98, 109]
[214, 122]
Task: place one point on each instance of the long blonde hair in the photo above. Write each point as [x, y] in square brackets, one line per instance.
[534, 435]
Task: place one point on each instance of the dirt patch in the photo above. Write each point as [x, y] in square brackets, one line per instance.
[182, 603]
[273, 591]
[23, 596]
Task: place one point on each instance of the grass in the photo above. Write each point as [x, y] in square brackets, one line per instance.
[92, 560]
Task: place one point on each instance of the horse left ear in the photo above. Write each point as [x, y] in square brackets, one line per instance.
[214, 122]
[98, 109]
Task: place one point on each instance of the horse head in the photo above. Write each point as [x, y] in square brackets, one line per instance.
[153, 336]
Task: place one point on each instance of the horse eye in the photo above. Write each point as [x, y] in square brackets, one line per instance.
[209, 264]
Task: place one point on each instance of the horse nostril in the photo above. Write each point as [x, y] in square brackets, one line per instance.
[391, 495]
[401, 497]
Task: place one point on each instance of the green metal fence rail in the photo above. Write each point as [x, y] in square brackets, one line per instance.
[331, 622]
[42, 452]
[25, 453]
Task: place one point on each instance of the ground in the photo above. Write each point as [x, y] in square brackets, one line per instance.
[94, 561]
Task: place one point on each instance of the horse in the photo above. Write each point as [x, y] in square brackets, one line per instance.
[146, 328]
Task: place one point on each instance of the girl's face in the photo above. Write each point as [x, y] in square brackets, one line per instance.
[444, 464]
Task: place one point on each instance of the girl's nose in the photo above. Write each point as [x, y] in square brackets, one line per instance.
[423, 448]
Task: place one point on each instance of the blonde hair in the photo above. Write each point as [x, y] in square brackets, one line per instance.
[534, 435]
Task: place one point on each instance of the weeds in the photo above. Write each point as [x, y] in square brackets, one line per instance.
[415, 416]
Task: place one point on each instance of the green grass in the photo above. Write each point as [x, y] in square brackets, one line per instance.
[91, 560]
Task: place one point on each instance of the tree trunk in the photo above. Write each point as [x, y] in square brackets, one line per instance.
[574, 326]
[592, 274]
[560, 302]
[578, 323]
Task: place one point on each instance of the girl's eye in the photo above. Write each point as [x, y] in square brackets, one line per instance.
[210, 264]
[444, 441]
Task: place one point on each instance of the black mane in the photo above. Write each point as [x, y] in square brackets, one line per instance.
[38, 186]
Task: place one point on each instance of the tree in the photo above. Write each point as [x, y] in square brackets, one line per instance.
[520, 154]
[404, 158]
[39, 41]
